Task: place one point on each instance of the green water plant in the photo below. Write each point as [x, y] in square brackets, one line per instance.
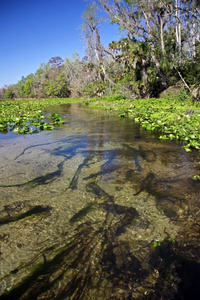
[57, 119]
[26, 116]
[196, 177]
[155, 243]
[158, 243]
[165, 116]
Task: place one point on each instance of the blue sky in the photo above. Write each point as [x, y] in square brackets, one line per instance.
[33, 31]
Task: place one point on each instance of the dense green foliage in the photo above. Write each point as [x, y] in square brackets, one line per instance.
[161, 46]
[171, 117]
[27, 116]
[9, 94]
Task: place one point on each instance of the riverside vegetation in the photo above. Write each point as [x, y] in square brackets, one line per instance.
[26, 116]
[173, 117]
[160, 47]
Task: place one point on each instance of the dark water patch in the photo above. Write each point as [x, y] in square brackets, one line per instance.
[82, 213]
[121, 266]
[167, 198]
[119, 227]
[132, 152]
[173, 207]
[109, 166]
[70, 147]
[32, 147]
[147, 155]
[65, 152]
[189, 272]
[178, 276]
[73, 182]
[146, 183]
[132, 175]
[118, 209]
[40, 180]
[99, 192]
[12, 212]
[47, 178]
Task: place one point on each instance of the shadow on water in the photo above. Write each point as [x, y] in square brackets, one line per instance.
[98, 209]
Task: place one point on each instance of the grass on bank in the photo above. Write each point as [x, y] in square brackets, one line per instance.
[174, 116]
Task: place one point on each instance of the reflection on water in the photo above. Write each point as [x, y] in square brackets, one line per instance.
[98, 209]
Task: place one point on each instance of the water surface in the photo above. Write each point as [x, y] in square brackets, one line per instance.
[98, 209]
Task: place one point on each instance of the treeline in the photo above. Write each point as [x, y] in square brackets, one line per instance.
[161, 48]
[57, 78]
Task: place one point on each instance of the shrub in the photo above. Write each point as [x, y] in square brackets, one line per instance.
[9, 94]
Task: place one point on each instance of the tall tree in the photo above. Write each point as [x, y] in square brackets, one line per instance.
[152, 21]
[143, 21]
[90, 29]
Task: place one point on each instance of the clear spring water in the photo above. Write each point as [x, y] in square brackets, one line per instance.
[98, 209]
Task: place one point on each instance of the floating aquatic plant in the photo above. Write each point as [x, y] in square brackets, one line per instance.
[196, 177]
[57, 120]
[26, 116]
[167, 116]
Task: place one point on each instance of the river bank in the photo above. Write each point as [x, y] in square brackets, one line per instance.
[173, 116]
